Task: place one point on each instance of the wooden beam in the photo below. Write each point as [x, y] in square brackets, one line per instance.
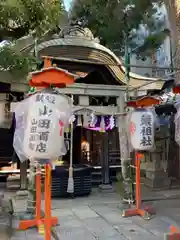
[93, 90]
[19, 87]
[79, 89]
[98, 110]
[83, 89]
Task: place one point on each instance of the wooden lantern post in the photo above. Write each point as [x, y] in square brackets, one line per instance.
[47, 77]
[139, 209]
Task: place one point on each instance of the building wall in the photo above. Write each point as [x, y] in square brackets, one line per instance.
[162, 57]
[142, 71]
[173, 12]
[172, 9]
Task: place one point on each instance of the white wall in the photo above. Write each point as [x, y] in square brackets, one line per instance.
[142, 71]
[162, 55]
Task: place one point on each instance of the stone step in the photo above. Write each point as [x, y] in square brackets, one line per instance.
[6, 212]
[5, 226]
[4, 235]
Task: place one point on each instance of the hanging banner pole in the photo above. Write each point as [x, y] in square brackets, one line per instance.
[142, 134]
[144, 212]
[44, 117]
[47, 219]
[138, 182]
[38, 194]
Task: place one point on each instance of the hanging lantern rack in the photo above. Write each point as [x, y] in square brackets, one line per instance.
[145, 212]
[175, 231]
[49, 77]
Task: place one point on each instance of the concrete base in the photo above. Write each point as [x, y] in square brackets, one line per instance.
[21, 194]
[13, 182]
[158, 183]
[6, 227]
[106, 188]
[157, 179]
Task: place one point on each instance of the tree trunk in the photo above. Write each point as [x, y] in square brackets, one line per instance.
[124, 151]
[173, 9]
[177, 59]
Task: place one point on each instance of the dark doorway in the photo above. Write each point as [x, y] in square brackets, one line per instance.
[6, 146]
[77, 145]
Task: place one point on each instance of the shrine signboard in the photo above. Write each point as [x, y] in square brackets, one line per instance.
[141, 129]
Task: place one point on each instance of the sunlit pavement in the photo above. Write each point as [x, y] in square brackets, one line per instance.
[98, 217]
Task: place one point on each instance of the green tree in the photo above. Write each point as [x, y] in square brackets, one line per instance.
[23, 18]
[19, 18]
[118, 23]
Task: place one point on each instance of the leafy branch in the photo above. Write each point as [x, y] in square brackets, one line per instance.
[18, 64]
[21, 18]
[118, 23]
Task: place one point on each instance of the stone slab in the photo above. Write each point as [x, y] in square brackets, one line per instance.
[102, 209]
[98, 217]
[19, 234]
[4, 234]
[106, 188]
[74, 234]
[84, 212]
[157, 232]
[114, 218]
[155, 223]
[157, 183]
[62, 212]
[100, 228]
[131, 231]
[70, 222]
[22, 194]
[113, 238]
[15, 238]
[5, 226]
[32, 234]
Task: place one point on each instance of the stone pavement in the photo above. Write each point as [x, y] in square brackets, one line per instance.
[98, 217]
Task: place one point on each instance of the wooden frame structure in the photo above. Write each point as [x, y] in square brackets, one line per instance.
[140, 210]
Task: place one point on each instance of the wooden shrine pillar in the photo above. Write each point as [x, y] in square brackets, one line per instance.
[23, 191]
[106, 185]
[105, 159]
[23, 175]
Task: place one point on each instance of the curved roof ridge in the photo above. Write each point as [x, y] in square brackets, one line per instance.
[76, 41]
